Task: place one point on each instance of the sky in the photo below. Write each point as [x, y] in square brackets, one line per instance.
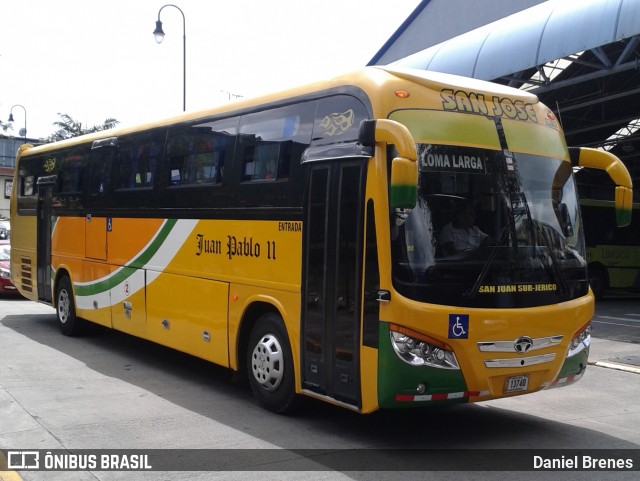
[95, 60]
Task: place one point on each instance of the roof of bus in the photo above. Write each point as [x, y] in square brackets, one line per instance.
[369, 79]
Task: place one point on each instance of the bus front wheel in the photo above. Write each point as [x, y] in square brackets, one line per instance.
[270, 365]
[69, 323]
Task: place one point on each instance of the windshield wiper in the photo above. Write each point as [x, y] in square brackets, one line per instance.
[559, 275]
[471, 294]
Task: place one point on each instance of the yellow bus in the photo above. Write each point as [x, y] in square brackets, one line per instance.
[295, 239]
[613, 252]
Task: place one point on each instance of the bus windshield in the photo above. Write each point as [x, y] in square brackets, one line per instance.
[490, 229]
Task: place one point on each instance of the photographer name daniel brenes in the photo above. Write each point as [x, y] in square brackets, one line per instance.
[582, 462]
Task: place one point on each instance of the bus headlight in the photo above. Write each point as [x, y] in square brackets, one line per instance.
[581, 341]
[420, 350]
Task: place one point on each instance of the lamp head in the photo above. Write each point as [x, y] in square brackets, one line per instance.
[11, 117]
[158, 33]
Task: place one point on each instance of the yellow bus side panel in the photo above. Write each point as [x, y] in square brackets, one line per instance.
[95, 238]
[231, 250]
[168, 280]
[189, 314]
[288, 305]
[93, 308]
[368, 379]
[128, 302]
[268, 251]
[67, 239]
[128, 237]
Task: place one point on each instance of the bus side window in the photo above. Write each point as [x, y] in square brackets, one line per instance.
[248, 164]
[337, 119]
[264, 162]
[99, 172]
[273, 139]
[137, 161]
[70, 178]
[28, 183]
[203, 161]
[124, 170]
[196, 155]
[70, 167]
[30, 170]
[178, 159]
[146, 161]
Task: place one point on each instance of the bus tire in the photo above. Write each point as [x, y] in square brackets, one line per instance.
[270, 365]
[598, 281]
[70, 324]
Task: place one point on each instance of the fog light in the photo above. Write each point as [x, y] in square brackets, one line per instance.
[421, 388]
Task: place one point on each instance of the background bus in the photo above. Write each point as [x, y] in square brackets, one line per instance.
[613, 252]
[295, 238]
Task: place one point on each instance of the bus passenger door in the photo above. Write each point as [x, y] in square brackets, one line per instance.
[44, 231]
[332, 281]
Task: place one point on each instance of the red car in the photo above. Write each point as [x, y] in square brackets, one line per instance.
[6, 287]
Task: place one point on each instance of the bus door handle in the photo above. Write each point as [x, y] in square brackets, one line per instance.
[383, 296]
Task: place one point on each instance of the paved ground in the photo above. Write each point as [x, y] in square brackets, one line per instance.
[108, 390]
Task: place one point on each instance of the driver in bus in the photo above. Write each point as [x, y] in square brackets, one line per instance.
[462, 234]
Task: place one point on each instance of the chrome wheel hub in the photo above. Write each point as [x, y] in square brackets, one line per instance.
[267, 362]
[64, 306]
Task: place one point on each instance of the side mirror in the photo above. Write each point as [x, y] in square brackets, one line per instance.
[403, 185]
[603, 160]
[403, 188]
[624, 200]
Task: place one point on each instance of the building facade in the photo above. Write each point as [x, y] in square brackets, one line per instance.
[8, 148]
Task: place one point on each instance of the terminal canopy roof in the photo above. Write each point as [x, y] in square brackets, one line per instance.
[581, 58]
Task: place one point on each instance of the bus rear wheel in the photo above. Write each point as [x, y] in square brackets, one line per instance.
[270, 365]
[70, 324]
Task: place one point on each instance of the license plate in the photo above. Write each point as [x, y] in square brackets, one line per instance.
[516, 383]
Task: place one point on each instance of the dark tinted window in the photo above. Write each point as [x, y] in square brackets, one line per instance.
[69, 168]
[338, 119]
[270, 141]
[136, 162]
[70, 172]
[197, 154]
[99, 179]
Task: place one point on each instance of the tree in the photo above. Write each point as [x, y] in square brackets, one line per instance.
[69, 128]
[4, 127]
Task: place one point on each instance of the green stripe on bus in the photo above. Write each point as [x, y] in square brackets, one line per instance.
[403, 196]
[122, 275]
[623, 217]
[396, 377]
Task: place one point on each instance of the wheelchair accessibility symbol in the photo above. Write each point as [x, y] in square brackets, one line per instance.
[458, 326]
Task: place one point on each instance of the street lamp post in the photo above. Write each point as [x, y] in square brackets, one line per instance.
[159, 35]
[24, 131]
